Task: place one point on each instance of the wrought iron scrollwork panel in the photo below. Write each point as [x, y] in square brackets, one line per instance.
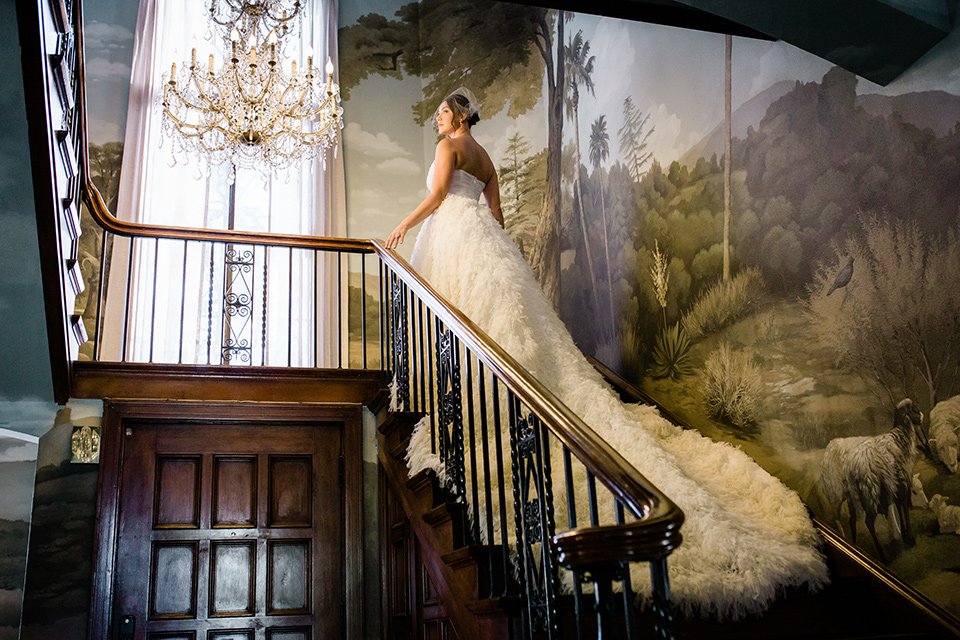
[237, 339]
[450, 411]
[401, 352]
[534, 515]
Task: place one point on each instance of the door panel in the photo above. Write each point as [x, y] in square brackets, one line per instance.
[231, 532]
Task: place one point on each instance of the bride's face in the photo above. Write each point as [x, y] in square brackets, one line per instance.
[445, 123]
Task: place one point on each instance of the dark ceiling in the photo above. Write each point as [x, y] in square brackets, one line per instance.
[876, 39]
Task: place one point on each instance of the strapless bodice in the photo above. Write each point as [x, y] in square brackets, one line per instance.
[463, 184]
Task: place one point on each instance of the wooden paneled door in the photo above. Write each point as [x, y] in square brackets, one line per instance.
[231, 529]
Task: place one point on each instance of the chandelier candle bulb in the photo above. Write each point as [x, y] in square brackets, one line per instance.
[254, 114]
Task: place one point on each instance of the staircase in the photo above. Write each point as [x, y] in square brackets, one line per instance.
[436, 582]
[434, 586]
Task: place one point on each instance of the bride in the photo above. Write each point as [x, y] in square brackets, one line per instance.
[746, 536]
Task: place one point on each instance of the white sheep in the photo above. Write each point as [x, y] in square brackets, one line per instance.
[917, 496]
[948, 516]
[874, 474]
[944, 425]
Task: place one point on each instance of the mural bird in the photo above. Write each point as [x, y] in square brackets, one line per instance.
[843, 278]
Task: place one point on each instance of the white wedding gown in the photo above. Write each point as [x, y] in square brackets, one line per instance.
[746, 536]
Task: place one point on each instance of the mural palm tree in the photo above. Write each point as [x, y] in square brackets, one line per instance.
[633, 139]
[599, 152]
[727, 126]
[579, 71]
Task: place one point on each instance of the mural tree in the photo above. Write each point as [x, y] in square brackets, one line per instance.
[520, 191]
[633, 139]
[376, 45]
[580, 73]
[105, 162]
[455, 51]
[727, 156]
[599, 152]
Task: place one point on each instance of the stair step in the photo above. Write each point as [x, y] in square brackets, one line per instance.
[399, 452]
[443, 513]
[487, 565]
[496, 606]
[398, 425]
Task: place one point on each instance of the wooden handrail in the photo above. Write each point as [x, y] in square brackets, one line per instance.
[644, 500]
[657, 531]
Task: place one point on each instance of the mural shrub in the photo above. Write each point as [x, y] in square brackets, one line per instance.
[624, 353]
[731, 386]
[889, 307]
[722, 304]
[671, 356]
[811, 431]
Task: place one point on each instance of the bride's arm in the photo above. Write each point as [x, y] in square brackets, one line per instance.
[444, 164]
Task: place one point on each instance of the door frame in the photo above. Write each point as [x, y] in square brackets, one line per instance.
[117, 413]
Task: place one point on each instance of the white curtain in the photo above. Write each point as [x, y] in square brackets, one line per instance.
[170, 294]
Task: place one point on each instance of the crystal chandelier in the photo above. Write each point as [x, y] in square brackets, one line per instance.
[250, 112]
[255, 18]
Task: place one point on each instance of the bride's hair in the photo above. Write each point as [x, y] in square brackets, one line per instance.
[462, 104]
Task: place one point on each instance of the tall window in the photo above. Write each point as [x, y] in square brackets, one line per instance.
[291, 296]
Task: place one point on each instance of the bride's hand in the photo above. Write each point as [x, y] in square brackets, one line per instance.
[396, 236]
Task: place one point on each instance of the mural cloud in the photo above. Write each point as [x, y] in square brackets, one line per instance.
[98, 35]
[399, 166]
[379, 145]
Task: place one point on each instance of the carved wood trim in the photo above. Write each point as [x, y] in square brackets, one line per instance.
[100, 380]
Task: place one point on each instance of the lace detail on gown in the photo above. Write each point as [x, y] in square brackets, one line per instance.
[746, 535]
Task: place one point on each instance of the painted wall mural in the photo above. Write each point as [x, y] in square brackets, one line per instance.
[18, 465]
[801, 333]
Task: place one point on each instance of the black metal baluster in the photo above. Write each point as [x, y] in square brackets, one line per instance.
[126, 302]
[662, 613]
[363, 307]
[602, 581]
[210, 304]
[424, 332]
[400, 352]
[263, 311]
[626, 588]
[518, 509]
[382, 316]
[551, 580]
[433, 382]
[475, 531]
[449, 394]
[340, 310]
[388, 329]
[579, 602]
[183, 300]
[415, 334]
[501, 492]
[592, 498]
[487, 491]
[290, 308]
[316, 310]
[153, 298]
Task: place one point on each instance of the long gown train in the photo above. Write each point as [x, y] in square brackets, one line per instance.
[746, 536]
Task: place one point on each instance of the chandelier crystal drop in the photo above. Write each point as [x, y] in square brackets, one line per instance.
[250, 112]
[256, 18]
